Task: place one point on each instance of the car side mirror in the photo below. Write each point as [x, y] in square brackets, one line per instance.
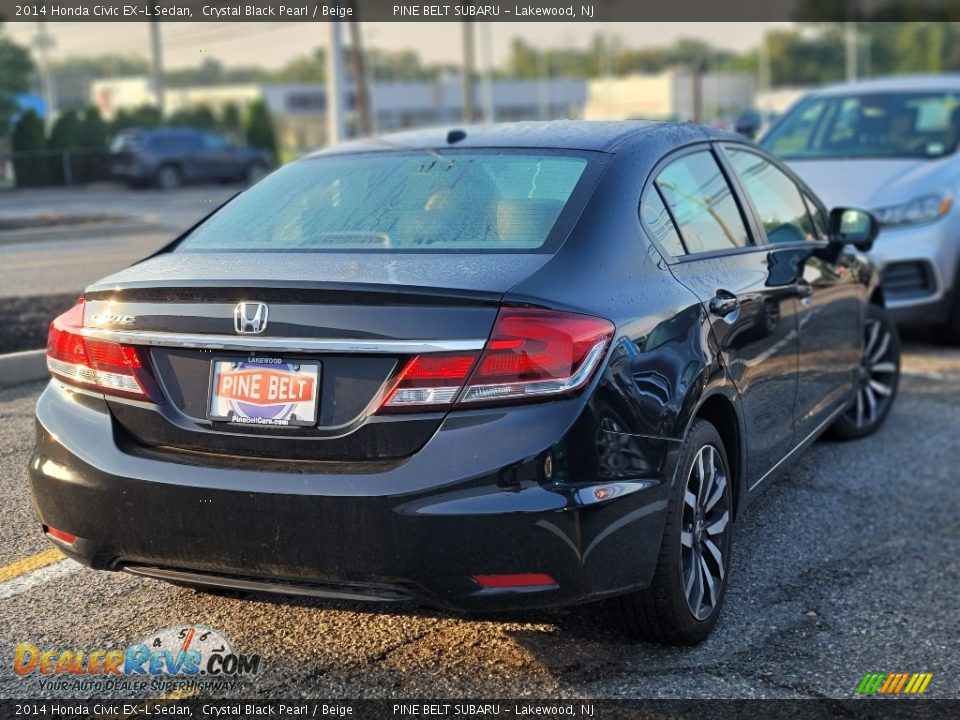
[849, 226]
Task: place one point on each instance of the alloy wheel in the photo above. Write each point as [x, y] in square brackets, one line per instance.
[168, 178]
[704, 534]
[876, 377]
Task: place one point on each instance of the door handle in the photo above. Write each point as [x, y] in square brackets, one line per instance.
[724, 303]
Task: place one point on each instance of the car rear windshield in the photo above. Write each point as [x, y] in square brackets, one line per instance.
[474, 201]
[877, 125]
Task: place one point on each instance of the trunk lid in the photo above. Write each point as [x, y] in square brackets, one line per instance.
[357, 317]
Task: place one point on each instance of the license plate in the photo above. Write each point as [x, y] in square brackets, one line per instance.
[264, 391]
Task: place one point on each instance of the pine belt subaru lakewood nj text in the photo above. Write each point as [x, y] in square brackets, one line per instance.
[491, 368]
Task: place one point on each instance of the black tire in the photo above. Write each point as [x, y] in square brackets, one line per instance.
[662, 612]
[877, 381]
[169, 177]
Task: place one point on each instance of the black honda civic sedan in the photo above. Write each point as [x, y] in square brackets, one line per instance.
[487, 368]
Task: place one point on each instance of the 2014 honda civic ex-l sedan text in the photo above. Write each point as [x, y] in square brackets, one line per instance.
[489, 368]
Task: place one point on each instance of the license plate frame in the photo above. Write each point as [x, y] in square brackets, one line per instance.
[221, 408]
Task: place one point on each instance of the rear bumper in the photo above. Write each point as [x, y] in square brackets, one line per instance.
[471, 502]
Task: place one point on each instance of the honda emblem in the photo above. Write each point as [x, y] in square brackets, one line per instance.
[250, 317]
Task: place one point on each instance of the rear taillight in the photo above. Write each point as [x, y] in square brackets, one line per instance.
[531, 354]
[430, 381]
[113, 368]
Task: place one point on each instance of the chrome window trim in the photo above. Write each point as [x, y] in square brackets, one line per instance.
[278, 344]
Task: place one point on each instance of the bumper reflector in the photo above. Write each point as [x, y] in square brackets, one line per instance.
[60, 535]
[522, 580]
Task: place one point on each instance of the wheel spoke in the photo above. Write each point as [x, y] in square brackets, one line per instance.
[701, 475]
[691, 577]
[879, 388]
[721, 486]
[697, 599]
[873, 332]
[717, 555]
[718, 525]
[884, 367]
[881, 350]
[709, 580]
[871, 403]
[690, 499]
[686, 539]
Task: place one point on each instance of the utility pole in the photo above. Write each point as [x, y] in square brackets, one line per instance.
[469, 113]
[156, 68]
[543, 85]
[850, 49]
[764, 79]
[43, 43]
[361, 88]
[489, 110]
[335, 126]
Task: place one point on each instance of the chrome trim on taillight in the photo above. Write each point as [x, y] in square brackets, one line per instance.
[538, 388]
[72, 371]
[423, 396]
[279, 344]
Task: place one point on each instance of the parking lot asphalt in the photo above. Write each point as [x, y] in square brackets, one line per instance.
[848, 564]
[66, 264]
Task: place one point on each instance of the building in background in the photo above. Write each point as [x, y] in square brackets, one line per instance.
[110, 96]
[299, 111]
[670, 95]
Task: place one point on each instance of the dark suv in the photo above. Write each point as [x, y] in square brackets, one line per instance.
[169, 157]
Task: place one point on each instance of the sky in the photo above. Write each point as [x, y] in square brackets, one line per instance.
[270, 45]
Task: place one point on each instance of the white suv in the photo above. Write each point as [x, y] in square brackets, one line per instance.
[890, 145]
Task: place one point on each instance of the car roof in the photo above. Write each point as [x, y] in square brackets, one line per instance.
[591, 135]
[901, 83]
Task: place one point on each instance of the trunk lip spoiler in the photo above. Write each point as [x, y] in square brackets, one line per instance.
[279, 344]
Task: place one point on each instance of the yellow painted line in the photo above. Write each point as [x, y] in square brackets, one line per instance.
[926, 681]
[29, 564]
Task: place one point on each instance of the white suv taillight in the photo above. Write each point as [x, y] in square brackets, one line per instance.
[112, 368]
[531, 354]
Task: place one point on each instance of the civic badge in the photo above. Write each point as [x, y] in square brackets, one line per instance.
[250, 318]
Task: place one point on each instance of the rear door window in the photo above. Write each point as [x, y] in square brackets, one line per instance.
[657, 218]
[777, 199]
[702, 204]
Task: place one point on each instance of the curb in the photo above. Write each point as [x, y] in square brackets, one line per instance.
[77, 232]
[23, 367]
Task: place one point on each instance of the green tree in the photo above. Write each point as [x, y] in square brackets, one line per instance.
[200, 116]
[231, 122]
[260, 128]
[144, 116]
[93, 141]
[64, 137]
[29, 137]
[16, 69]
